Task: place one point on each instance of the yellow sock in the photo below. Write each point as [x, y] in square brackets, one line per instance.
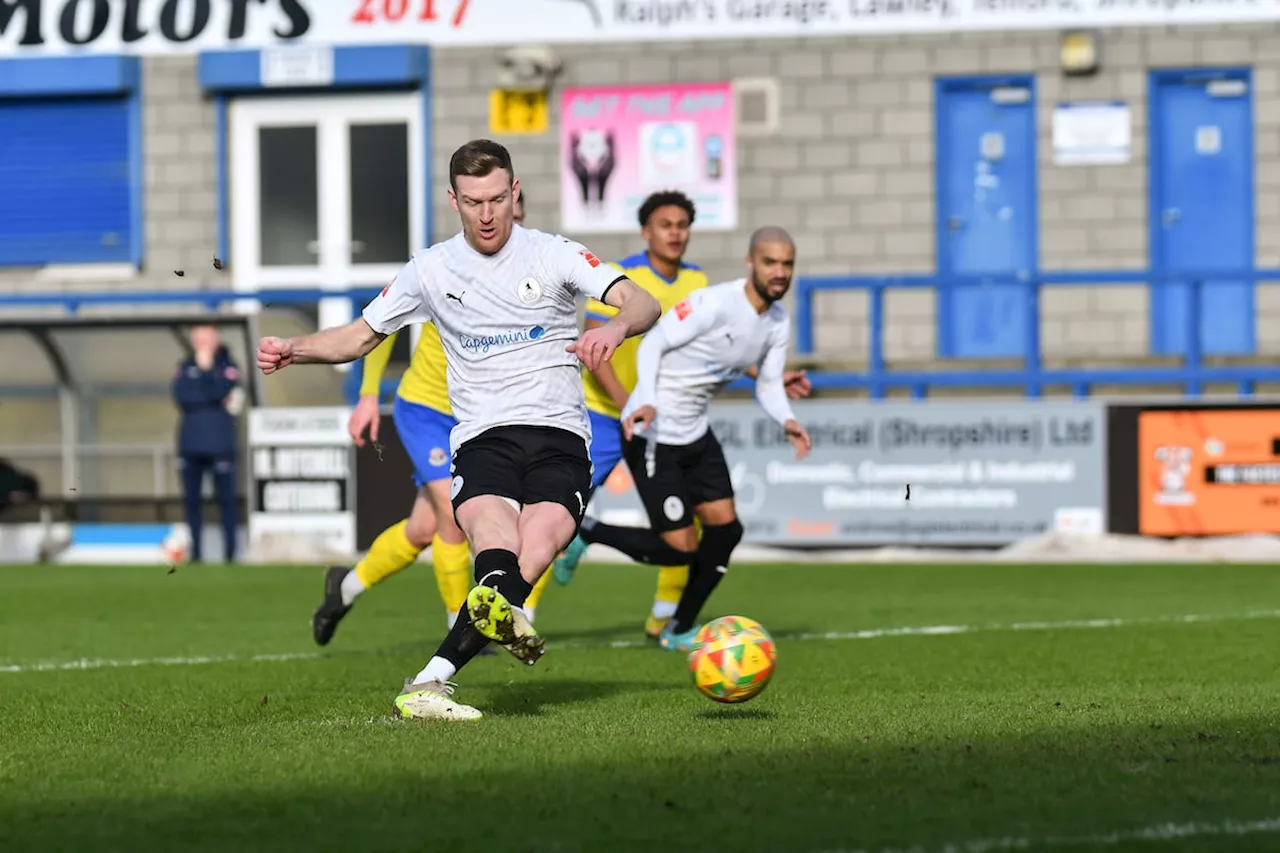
[536, 595]
[388, 554]
[671, 583]
[453, 572]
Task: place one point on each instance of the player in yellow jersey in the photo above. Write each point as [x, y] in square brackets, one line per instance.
[665, 220]
[423, 418]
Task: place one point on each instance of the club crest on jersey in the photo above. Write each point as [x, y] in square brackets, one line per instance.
[683, 309]
[529, 290]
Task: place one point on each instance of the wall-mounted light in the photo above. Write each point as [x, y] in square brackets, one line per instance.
[1079, 53]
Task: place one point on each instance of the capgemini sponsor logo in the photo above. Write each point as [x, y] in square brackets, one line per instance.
[484, 343]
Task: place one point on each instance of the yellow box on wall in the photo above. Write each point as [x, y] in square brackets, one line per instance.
[518, 112]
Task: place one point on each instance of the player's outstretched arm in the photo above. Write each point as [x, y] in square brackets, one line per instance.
[640, 409]
[796, 381]
[638, 311]
[337, 345]
[581, 272]
[399, 304]
[771, 393]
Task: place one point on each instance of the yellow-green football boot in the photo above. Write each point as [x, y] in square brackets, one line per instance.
[507, 626]
[432, 700]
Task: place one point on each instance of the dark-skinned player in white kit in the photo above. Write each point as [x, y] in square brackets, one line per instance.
[700, 346]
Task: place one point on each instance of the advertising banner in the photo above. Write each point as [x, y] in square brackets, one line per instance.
[302, 476]
[58, 27]
[618, 144]
[1209, 472]
[976, 473]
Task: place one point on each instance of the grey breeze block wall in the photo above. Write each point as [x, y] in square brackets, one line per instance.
[851, 170]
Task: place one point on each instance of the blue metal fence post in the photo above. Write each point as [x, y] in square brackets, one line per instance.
[1193, 363]
[804, 318]
[1032, 357]
[875, 340]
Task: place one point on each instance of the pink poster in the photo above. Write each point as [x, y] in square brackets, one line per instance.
[618, 144]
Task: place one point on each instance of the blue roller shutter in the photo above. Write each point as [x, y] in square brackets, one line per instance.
[70, 161]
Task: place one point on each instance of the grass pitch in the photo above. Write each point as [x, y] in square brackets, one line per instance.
[922, 708]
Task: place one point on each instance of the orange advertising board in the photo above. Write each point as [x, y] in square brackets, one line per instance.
[1209, 472]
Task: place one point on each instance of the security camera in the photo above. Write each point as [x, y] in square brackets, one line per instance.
[528, 67]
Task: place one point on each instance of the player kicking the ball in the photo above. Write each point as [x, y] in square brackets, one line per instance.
[503, 299]
[701, 345]
[423, 419]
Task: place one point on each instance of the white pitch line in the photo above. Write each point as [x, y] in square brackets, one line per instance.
[943, 630]
[1156, 832]
[867, 634]
[107, 663]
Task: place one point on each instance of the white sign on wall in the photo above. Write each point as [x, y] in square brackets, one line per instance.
[51, 27]
[1091, 133]
[302, 477]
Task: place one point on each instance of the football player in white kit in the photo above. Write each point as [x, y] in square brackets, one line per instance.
[503, 298]
[700, 346]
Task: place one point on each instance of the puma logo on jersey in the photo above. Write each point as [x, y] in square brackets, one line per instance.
[457, 298]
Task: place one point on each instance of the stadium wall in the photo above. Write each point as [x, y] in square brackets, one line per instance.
[850, 172]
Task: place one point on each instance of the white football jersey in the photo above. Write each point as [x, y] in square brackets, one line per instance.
[504, 320]
[701, 345]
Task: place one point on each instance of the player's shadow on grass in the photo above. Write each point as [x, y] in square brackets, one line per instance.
[530, 698]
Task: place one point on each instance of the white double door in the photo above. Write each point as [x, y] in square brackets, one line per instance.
[325, 192]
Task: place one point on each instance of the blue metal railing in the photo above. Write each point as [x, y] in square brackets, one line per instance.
[1191, 375]
[877, 379]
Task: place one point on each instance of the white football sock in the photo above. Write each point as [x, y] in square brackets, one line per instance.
[352, 586]
[437, 669]
[528, 612]
[664, 609]
[451, 617]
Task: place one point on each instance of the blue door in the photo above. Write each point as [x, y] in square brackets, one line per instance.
[987, 216]
[1201, 207]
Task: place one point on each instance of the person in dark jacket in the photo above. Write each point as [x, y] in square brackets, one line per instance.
[207, 391]
[16, 486]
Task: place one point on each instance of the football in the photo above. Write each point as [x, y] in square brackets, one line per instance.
[726, 626]
[733, 660]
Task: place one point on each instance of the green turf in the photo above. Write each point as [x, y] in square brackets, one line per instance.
[875, 743]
